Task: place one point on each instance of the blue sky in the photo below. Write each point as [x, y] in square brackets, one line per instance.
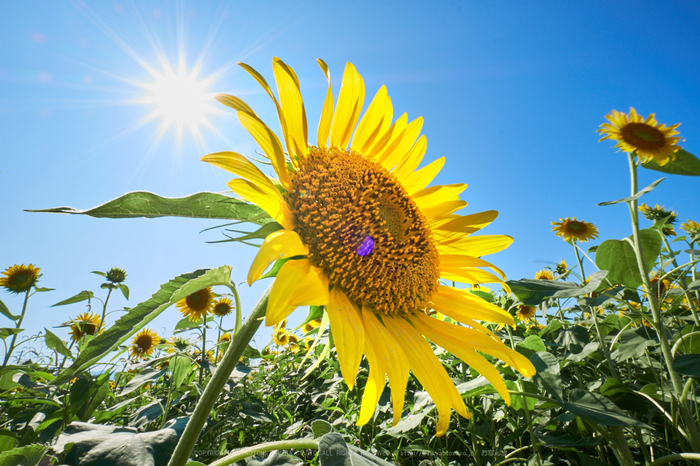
[511, 94]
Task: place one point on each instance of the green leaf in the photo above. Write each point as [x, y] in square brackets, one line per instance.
[56, 344]
[334, 451]
[82, 296]
[6, 312]
[685, 164]
[532, 292]
[146, 413]
[319, 427]
[587, 350]
[99, 445]
[567, 440]
[7, 440]
[548, 375]
[636, 196]
[260, 233]
[137, 317]
[633, 343]
[688, 364]
[619, 259]
[29, 455]
[124, 289]
[187, 323]
[181, 366]
[143, 377]
[597, 408]
[478, 386]
[573, 338]
[531, 344]
[149, 205]
[6, 332]
[690, 344]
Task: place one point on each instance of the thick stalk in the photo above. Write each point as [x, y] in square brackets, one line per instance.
[211, 393]
[622, 446]
[17, 325]
[668, 358]
[682, 281]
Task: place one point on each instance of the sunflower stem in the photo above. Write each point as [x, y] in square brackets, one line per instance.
[580, 263]
[239, 343]
[656, 313]
[104, 310]
[8, 353]
[301, 444]
[203, 355]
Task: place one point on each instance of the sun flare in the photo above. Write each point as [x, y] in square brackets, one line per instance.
[179, 99]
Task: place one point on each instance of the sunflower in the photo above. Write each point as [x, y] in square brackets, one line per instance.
[280, 337]
[226, 337]
[310, 325]
[544, 274]
[692, 228]
[222, 307]
[116, 275]
[561, 268]
[144, 343]
[364, 236]
[526, 312]
[20, 278]
[571, 229]
[648, 139]
[177, 344]
[85, 324]
[293, 347]
[197, 305]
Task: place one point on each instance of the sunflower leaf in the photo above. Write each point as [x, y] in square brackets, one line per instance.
[149, 205]
[597, 408]
[137, 317]
[636, 196]
[82, 296]
[29, 455]
[685, 164]
[6, 312]
[53, 342]
[619, 259]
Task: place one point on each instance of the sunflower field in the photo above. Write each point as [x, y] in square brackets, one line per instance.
[414, 349]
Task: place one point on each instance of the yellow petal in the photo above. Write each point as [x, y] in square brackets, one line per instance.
[428, 370]
[239, 165]
[460, 305]
[422, 178]
[397, 151]
[412, 159]
[440, 210]
[298, 283]
[292, 107]
[278, 245]
[234, 102]
[392, 357]
[471, 275]
[456, 228]
[347, 112]
[348, 334]
[324, 126]
[270, 203]
[456, 263]
[476, 245]
[374, 386]
[269, 144]
[435, 195]
[448, 336]
[375, 121]
[390, 135]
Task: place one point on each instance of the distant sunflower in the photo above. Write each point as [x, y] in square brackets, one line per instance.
[571, 229]
[645, 137]
[544, 274]
[19, 278]
[144, 343]
[310, 325]
[293, 347]
[692, 228]
[225, 337]
[657, 213]
[177, 344]
[370, 241]
[280, 337]
[222, 307]
[85, 324]
[526, 312]
[197, 305]
[116, 275]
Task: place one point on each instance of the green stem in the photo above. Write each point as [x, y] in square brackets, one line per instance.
[203, 354]
[675, 457]
[682, 281]
[17, 325]
[622, 446]
[211, 393]
[237, 303]
[580, 264]
[104, 311]
[302, 444]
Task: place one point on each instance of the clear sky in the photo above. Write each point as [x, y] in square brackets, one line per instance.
[511, 94]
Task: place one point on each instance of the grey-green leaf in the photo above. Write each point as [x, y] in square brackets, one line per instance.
[334, 451]
[685, 164]
[6, 312]
[319, 427]
[29, 455]
[597, 408]
[636, 196]
[149, 205]
[688, 364]
[55, 343]
[137, 317]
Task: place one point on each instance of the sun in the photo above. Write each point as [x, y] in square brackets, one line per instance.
[179, 99]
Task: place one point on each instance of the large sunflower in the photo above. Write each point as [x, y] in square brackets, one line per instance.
[144, 344]
[196, 306]
[85, 324]
[365, 237]
[574, 230]
[646, 137]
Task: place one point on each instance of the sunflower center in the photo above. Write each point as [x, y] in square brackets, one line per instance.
[144, 342]
[577, 227]
[198, 301]
[364, 230]
[19, 278]
[643, 136]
